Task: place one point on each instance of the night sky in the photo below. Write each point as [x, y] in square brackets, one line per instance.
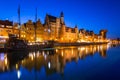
[88, 14]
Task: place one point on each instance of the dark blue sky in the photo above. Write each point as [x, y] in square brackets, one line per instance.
[87, 14]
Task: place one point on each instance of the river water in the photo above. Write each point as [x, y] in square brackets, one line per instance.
[93, 62]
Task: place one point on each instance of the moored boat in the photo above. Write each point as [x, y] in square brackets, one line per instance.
[15, 44]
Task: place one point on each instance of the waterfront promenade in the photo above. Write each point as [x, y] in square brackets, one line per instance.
[52, 45]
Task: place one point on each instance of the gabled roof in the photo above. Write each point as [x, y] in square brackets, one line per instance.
[52, 18]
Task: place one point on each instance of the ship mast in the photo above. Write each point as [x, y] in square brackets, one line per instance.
[19, 23]
[35, 24]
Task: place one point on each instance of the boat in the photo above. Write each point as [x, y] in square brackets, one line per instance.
[15, 44]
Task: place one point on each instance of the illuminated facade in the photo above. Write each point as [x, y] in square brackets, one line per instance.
[103, 34]
[6, 27]
[90, 36]
[86, 36]
[54, 28]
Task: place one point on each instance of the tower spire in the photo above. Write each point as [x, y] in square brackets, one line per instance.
[61, 14]
[62, 18]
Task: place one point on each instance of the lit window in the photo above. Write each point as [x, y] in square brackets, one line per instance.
[1, 25]
[21, 35]
[45, 30]
[48, 30]
[9, 26]
[8, 30]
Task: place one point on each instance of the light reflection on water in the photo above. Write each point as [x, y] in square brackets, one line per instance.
[53, 61]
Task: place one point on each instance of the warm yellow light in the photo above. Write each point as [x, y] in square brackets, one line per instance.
[16, 66]
[31, 37]
[72, 51]
[5, 61]
[31, 56]
[82, 48]
[21, 35]
[101, 47]
[22, 61]
[56, 39]
[83, 40]
[62, 53]
[5, 37]
[56, 50]
[86, 50]
[78, 41]
[39, 40]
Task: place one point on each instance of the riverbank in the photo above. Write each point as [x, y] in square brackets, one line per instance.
[52, 45]
[79, 44]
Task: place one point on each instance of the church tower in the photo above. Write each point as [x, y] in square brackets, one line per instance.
[103, 34]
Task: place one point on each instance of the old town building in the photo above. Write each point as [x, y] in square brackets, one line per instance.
[54, 28]
[6, 27]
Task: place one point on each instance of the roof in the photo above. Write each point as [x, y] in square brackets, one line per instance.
[52, 18]
[69, 28]
[6, 22]
[103, 30]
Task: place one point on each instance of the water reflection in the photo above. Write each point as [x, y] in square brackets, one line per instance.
[53, 60]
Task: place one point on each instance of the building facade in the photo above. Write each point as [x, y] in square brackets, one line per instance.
[54, 28]
[6, 28]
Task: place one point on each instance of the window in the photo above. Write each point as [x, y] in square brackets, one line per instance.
[9, 26]
[45, 30]
[8, 31]
[2, 26]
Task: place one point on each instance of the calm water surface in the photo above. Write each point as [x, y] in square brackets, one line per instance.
[93, 62]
